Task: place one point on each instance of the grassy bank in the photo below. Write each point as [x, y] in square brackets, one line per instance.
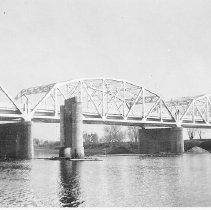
[126, 147]
[131, 148]
[96, 149]
[108, 148]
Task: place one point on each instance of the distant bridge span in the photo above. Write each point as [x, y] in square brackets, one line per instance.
[106, 101]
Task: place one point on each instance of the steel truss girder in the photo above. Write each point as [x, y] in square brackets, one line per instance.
[34, 90]
[105, 96]
[6, 112]
[193, 111]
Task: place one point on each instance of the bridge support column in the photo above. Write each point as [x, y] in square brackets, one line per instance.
[16, 140]
[161, 140]
[27, 151]
[71, 129]
[65, 131]
[77, 130]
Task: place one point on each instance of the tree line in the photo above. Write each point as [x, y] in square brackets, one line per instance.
[113, 134]
[195, 132]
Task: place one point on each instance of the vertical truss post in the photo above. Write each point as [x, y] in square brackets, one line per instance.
[207, 110]
[103, 99]
[28, 114]
[193, 112]
[68, 89]
[55, 102]
[87, 101]
[81, 89]
[124, 101]
[143, 103]
[161, 111]
[25, 110]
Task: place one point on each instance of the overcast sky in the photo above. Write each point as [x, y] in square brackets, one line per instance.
[164, 45]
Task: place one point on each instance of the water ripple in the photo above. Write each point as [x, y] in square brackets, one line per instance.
[114, 182]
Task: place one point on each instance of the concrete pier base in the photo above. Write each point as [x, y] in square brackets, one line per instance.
[161, 140]
[16, 140]
[77, 152]
[65, 152]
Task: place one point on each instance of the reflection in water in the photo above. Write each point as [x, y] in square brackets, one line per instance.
[45, 153]
[70, 188]
[196, 180]
[114, 182]
[169, 184]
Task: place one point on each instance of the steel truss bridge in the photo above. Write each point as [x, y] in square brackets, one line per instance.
[106, 101]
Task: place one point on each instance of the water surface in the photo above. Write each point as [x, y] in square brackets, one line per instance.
[116, 181]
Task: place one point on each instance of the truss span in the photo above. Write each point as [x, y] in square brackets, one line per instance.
[104, 100]
[9, 108]
[192, 111]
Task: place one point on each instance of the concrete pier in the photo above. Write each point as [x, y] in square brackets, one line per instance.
[71, 129]
[65, 132]
[77, 130]
[166, 140]
[28, 144]
[16, 140]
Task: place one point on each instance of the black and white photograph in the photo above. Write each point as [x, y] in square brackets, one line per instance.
[105, 103]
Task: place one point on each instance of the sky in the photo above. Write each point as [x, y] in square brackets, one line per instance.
[162, 45]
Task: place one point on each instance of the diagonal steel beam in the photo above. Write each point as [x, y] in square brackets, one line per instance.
[153, 107]
[137, 98]
[85, 86]
[43, 99]
[10, 99]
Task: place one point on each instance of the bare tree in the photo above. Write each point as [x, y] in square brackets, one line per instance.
[191, 133]
[113, 133]
[200, 133]
[133, 134]
[90, 138]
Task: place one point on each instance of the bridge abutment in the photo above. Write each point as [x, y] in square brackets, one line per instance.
[71, 129]
[161, 140]
[16, 140]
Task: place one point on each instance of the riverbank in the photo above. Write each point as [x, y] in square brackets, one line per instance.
[202, 143]
[123, 148]
[96, 149]
[106, 148]
[132, 148]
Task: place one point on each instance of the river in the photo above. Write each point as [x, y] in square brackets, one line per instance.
[116, 181]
